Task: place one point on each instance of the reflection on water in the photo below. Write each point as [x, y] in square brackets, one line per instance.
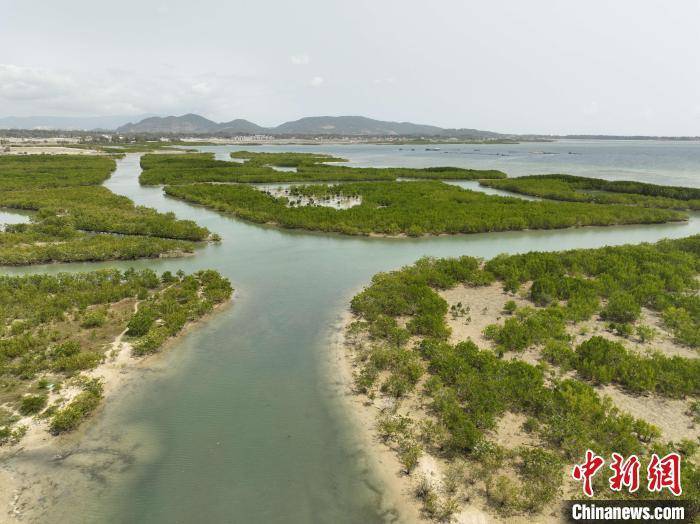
[284, 169]
[14, 216]
[474, 186]
[239, 421]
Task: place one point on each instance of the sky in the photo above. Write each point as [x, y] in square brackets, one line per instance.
[536, 66]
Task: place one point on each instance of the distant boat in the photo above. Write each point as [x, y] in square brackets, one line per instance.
[432, 149]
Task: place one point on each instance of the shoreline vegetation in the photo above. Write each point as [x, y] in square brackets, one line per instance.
[490, 379]
[581, 189]
[76, 219]
[61, 333]
[410, 208]
[383, 204]
[165, 169]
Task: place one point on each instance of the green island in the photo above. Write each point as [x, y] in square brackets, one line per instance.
[410, 208]
[581, 189]
[55, 329]
[76, 219]
[259, 168]
[506, 372]
[120, 148]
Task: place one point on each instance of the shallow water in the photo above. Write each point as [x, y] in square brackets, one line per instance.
[13, 216]
[238, 421]
[661, 162]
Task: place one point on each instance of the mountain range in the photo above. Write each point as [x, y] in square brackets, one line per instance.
[314, 125]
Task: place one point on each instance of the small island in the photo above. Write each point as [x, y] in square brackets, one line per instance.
[171, 169]
[408, 208]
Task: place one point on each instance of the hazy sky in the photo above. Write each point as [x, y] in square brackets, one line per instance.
[556, 66]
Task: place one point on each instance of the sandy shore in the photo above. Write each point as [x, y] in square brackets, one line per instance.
[486, 307]
[48, 150]
[26, 491]
[381, 459]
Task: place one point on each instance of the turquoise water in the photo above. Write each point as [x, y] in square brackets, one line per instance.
[238, 421]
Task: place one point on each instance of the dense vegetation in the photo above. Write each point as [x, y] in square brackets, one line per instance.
[136, 146]
[661, 277]
[99, 210]
[202, 167]
[76, 219]
[402, 346]
[54, 327]
[284, 159]
[415, 208]
[604, 361]
[49, 171]
[580, 189]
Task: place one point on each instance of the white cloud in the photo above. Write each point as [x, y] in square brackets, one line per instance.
[25, 83]
[591, 109]
[300, 59]
[316, 81]
[202, 88]
[26, 91]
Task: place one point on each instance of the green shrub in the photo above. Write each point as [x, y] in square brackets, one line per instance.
[69, 417]
[141, 321]
[93, 319]
[541, 474]
[409, 454]
[510, 307]
[622, 307]
[684, 326]
[646, 333]
[559, 353]
[32, 404]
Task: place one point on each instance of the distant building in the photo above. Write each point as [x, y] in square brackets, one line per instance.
[252, 138]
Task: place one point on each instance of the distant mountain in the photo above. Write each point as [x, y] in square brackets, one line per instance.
[241, 126]
[68, 123]
[314, 125]
[353, 125]
[189, 123]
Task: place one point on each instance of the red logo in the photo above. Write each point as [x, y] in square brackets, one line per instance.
[625, 473]
[665, 473]
[661, 473]
[584, 472]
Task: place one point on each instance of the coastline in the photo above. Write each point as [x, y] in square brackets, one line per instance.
[382, 460]
[21, 492]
